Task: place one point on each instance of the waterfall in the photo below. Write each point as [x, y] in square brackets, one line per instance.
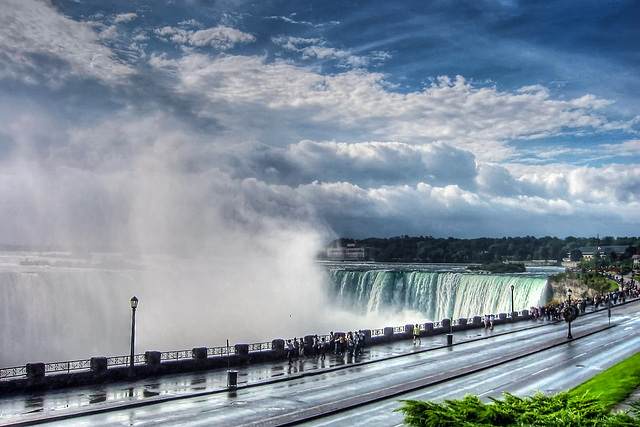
[435, 294]
[50, 312]
[57, 314]
[56, 308]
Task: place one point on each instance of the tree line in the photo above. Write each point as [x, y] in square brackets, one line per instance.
[486, 249]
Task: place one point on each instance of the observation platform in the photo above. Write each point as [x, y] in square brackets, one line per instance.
[39, 407]
[73, 404]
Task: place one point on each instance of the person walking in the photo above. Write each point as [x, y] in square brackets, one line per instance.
[416, 335]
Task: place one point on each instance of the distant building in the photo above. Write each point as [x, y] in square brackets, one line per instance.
[636, 261]
[588, 252]
[351, 252]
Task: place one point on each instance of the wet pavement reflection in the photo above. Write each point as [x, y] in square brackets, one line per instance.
[36, 405]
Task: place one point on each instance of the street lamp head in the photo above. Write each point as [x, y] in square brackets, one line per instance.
[512, 287]
[569, 292]
[134, 302]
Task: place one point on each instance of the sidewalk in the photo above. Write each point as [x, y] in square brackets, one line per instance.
[38, 407]
[625, 404]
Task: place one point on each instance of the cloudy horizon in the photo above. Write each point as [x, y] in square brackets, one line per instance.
[148, 124]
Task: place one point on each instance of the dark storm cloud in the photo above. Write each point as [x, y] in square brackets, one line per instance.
[370, 164]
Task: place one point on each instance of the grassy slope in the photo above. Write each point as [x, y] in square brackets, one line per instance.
[612, 386]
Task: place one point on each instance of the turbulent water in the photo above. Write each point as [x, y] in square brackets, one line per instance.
[55, 308]
[437, 292]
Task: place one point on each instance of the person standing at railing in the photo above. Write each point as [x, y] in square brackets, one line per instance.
[303, 345]
[296, 347]
[323, 349]
[290, 351]
[332, 342]
[341, 344]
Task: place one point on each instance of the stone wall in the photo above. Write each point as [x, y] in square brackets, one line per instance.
[579, 289]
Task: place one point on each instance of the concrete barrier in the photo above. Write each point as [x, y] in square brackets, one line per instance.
[98, 365]
[152, 358]
[428, 328]
[154, 365]
[35, 371]
[277, 345]
[388, 332]
[199, 353]
[446, 324]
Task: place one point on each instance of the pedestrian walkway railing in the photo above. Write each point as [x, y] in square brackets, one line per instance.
[261, 346]
[18, 372]
[138, 359]
[118, 360]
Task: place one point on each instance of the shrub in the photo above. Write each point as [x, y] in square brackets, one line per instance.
[561, 410]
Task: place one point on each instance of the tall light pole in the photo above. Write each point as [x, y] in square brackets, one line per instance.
[569, 336]
[134, 305]
[512, 301]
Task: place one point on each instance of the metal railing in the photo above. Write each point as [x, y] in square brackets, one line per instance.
[18, 371]
[260, 346]
[140, 359]
[125, 360]
[67, 367]
[221, 351]
[176, 355]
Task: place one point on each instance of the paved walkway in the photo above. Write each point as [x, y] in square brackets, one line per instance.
[63, 403]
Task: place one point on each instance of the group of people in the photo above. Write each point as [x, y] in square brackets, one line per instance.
[351, 343]
[554, 312]
[488, 321]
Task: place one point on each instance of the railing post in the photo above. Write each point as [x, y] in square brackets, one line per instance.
[199, 353]
[408, 331]
[152, 358]
[446, 324]
[242, 350]
[35, 373]
[98, 365]
[277, 345]
[428, 328]
[388, 332]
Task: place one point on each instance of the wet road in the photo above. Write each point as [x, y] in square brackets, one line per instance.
[550, 371]
[310, 387]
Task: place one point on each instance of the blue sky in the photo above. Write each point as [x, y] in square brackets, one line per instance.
[156, 125]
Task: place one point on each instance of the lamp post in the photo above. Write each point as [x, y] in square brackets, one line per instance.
[134, 305]
[569, 336]
[512, 301]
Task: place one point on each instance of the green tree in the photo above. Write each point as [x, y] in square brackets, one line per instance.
[576, 255]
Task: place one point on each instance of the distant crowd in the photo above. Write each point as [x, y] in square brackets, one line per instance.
[554, 312]
[351, 343]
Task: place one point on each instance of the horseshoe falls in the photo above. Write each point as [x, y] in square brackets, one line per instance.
[436, 295]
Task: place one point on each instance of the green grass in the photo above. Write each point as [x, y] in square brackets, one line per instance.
[612, 386]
